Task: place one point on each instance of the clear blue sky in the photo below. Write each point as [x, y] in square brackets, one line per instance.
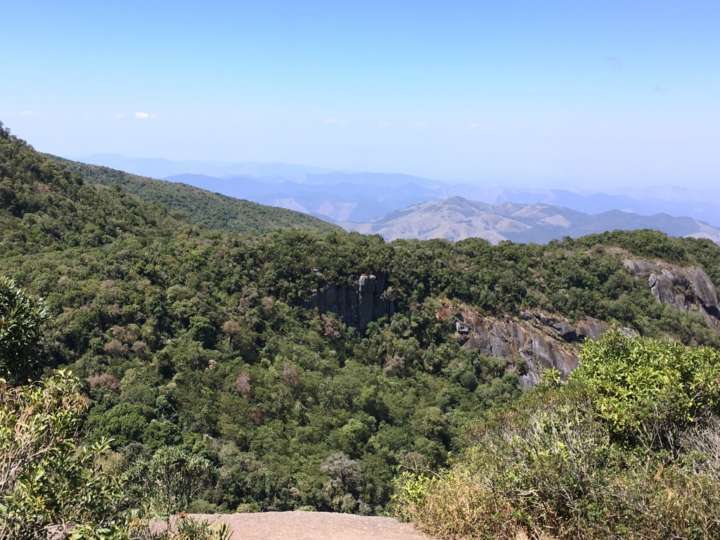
[541, 92]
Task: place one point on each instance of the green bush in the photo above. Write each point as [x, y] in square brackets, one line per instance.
[169, 481]
[649, 390]
[21, 324]
[628, 448]
[46, 477]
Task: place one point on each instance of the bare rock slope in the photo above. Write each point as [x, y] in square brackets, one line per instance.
[534, 341]
[684, 288]
[537, 340]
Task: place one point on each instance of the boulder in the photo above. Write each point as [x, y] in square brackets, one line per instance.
[664, 286]
[704, 290]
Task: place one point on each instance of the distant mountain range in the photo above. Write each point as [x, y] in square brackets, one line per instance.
[162, 168]
[671, 200]
[364, 197]
[332, 196]
[457, 218]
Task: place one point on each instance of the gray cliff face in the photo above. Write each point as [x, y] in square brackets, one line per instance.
[359, 304]
[513, 339]
[537, 339]
[684, 288]
[543, 340]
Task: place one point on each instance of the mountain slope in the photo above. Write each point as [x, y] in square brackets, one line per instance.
[364, 197]
[45, 205]
[199, 206]
[241, 349]
[329, 195]
[255, 353]
[458, 218]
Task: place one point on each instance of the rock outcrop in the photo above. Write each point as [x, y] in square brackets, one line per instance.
[535, 340]
[684, 288]
[359, 304]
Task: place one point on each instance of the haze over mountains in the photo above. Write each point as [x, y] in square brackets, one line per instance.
[394, 205]
[458, 218]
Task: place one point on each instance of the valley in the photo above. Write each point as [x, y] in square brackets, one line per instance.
[296, 366]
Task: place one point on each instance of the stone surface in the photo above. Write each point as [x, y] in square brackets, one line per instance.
[684, 288]
[536, 339]
[311, 526]
[513, 339]
[358, 304]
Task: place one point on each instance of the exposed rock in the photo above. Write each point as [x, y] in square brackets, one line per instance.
[59, 532]
[462, 328]
[704, 289]
[685, 288]
[302, 525]
[663, 285]
[536, 339]
[358, 304]
[518, 340]
[589, 328]
[562, 328]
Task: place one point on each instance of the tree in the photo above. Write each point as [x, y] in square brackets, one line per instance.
[21, 323]
[171, 479]
[46, 477]
[648, 389]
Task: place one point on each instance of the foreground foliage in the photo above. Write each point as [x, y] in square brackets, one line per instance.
[51, 484]
[46, 478]
[627, 449]
[21, 321]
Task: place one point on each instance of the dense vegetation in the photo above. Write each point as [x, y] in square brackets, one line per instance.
[43, 205]
[628, 448]
[198, 348]
[198, 206]
[53, 486]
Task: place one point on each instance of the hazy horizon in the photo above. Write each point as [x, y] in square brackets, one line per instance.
[545, 96]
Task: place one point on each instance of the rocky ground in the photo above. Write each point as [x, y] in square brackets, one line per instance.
[312, 526]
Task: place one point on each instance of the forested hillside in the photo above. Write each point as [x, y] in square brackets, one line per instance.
[198, 206]
[44, 205]
[309, 369]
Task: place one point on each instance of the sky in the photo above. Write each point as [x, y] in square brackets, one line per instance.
[588, 94]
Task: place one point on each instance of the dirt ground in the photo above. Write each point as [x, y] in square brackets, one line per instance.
[313, 526]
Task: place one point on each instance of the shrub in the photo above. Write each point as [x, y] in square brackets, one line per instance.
[185, 528]
[170, 480]
[628, 448]
[453, 505]
[649, 390]
[46, 477]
